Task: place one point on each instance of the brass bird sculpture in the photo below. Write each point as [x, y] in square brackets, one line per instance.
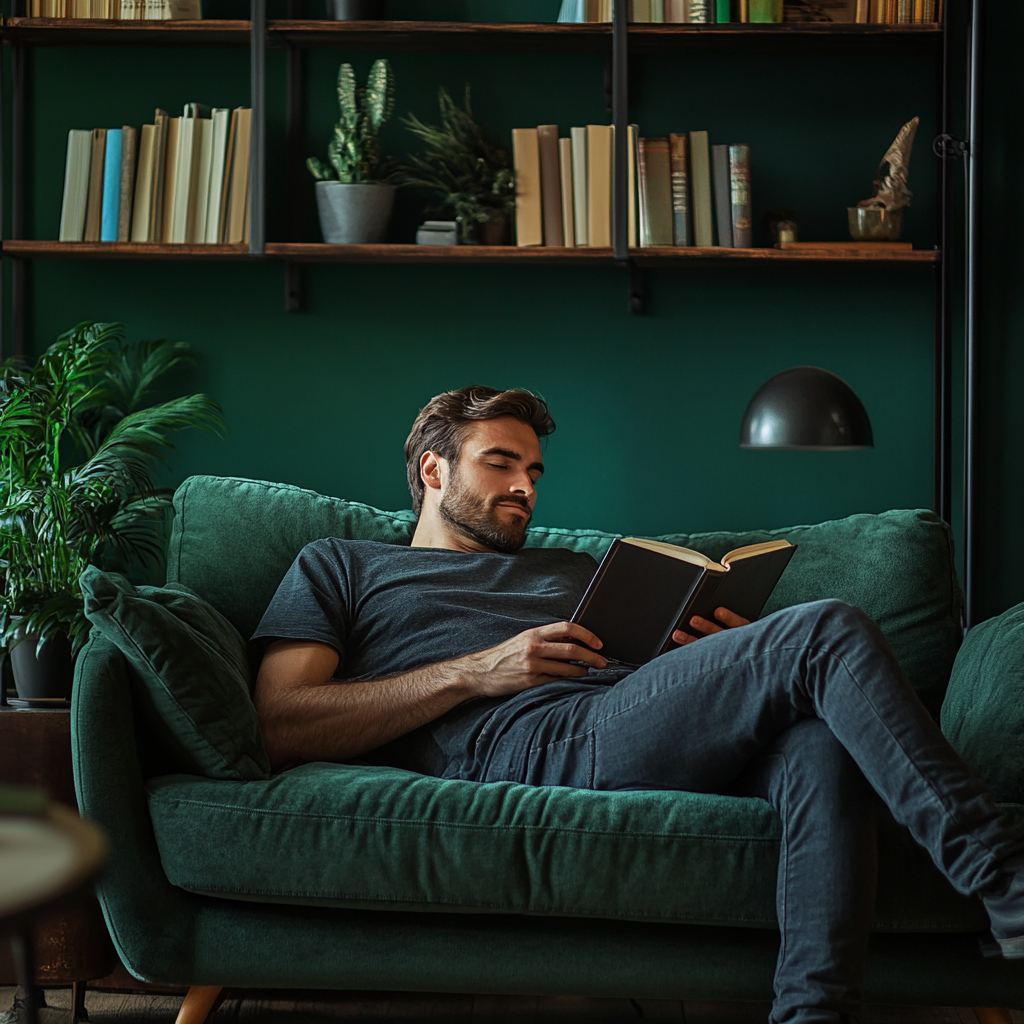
[891, 192]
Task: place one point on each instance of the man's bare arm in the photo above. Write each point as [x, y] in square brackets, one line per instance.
[307, 716]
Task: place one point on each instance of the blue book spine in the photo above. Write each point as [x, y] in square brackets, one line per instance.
[111, 186]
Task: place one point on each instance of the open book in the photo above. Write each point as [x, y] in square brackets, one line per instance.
[644, 590]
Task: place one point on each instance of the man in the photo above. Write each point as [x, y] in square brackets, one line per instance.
[455, 657]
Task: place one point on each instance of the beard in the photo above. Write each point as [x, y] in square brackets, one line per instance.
[479, 519]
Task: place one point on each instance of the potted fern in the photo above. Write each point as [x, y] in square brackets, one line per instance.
[354, 195]
[77, 443]
[467, 169]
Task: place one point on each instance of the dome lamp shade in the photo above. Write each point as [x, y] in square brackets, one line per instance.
[806, 408]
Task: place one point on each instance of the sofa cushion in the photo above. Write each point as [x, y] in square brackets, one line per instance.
[983, 714]
[381, 838]
[190, 672]
[233, 540]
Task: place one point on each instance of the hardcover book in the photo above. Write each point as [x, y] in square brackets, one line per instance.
[111, 201]
[568, 200]
[526, 158]
[700, 189]
[550, 184]
[655, 193]
[129, 152]
[739, 189]
[76, 185]
[679, 163]
[142, 204]
[723, 199]
[94, 205]
[644, 590]
[599, 185]
[579, 184]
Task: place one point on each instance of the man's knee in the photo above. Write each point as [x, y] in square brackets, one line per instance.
[832, 615]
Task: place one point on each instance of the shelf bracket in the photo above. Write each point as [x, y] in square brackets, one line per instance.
[294, 288]
[949, 147]
[637, 287]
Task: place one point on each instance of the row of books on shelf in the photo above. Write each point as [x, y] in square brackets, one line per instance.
[120, 10]
[181, 180]
[682, 190]
[679, 12]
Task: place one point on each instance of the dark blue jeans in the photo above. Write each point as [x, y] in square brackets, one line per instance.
[808, 709]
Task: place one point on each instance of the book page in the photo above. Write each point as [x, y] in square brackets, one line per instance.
[752, 550]
[673, 551]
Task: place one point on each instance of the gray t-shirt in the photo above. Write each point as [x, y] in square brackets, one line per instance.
[388, 609]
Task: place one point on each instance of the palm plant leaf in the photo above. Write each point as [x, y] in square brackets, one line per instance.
[76, 448]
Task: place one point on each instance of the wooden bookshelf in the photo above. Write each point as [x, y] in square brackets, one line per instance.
[453, 35]
[32, 249]
[308, 252]
[96, 32]
[316, 252]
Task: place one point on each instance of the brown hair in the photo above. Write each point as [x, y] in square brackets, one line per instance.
[445, 420]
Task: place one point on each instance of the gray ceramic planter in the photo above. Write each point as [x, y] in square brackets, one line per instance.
[46, 675]
[354, 214]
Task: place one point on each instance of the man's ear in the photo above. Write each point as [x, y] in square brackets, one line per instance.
[432, 466]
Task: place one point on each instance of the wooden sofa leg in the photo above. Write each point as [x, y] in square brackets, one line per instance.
[992, 1015]
[199, 1001]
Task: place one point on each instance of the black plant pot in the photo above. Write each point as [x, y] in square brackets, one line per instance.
[355, 10]
[46, 675]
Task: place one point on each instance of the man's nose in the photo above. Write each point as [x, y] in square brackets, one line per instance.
[523, 485]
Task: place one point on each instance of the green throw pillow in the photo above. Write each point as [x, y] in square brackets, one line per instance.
[983, 713]
[192, 672]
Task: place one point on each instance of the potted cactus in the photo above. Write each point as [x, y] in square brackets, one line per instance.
[353, 192]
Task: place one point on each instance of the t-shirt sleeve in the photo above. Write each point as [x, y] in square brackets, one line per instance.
[311, 602]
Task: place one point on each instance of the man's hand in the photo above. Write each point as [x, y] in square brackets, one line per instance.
[707, 627]
[308, 716]
[529, 659]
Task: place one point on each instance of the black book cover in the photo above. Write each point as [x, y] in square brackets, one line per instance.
[639, 597]
[634, 600]
[744, 589]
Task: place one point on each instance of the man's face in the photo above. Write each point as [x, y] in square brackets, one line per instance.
[490, 494]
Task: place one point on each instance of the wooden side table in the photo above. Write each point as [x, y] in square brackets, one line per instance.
[49, 857]
[71, 944]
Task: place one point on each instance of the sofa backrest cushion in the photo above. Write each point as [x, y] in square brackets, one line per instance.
[983, 715]
[233, 540]
[189, 670]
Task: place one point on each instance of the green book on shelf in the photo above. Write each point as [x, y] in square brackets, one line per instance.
[723, 12]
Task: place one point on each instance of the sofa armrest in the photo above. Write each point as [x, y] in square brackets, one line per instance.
[149, 919]
[983, 713]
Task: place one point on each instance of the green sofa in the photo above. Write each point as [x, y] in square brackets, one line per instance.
[351, 876]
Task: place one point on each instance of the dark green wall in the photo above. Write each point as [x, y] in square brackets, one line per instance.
[648, 407]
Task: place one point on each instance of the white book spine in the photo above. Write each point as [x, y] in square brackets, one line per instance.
[632, 192]
[183, 180]
[579, 183]
[76, 185]
[218, 151]
[565, 180]
[204, 145]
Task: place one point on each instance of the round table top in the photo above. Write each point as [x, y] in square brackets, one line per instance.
[45, 858]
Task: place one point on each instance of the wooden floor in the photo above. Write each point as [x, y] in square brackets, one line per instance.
[370, 1007]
